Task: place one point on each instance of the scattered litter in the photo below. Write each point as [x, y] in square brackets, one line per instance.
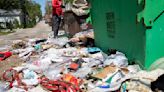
[14, 89]
[118, 59]
[74, 65]
[4, 55]
[158, 84]
[4, 86]
[59, 86]
[59, 41]
[53, 72]
[18, 44]
[93, 50]
[134, 68]
[41, 40]
[37, 89]
[136, 86]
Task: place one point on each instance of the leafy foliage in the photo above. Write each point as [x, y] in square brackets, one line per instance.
[29, 7]
[48, 9]
[9, 4]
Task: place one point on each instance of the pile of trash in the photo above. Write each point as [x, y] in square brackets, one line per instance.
[74, 65]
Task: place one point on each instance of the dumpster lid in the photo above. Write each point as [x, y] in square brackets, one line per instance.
[153, 9]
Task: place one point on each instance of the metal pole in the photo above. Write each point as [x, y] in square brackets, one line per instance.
[23, 12]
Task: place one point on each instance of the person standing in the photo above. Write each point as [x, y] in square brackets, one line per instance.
[56, 16]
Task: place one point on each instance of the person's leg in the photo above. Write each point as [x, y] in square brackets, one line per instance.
[56, 24]
[53, 19]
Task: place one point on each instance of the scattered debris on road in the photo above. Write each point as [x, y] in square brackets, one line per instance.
[72, 65]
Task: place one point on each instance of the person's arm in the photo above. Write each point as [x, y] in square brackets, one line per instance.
[55, 4]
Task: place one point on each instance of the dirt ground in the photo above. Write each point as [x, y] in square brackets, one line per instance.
[41, 30]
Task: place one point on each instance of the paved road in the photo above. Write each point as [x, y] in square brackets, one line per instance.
[41, 30]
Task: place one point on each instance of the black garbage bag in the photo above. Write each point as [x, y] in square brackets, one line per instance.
[158, 84]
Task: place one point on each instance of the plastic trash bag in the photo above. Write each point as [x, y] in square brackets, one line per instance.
[30, 77]
[80, 3]
[53, 72]
[4, 86]
[53, 53]
[28, 74]
[93, 50]
[80, 7]
[40, 65]
[158, 84]
[81, 11]
[135, 86]
[98, 56]
[59, 41]
[14, 89]
[27, 50]
[37, 89]
[70, 52]
[94, 62]
[134, 68]
[118, 59]
[83, 52]
[82, 72]
[88, 33]
[17, 51]
[31, 42]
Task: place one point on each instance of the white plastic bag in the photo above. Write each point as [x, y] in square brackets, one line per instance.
[30, 77]
[40, 65]
[82, 72]
[14, 89]
[118, 59]
[59, 41]
[53, 72]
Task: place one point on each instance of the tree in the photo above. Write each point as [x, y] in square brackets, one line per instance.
[48, 7]
[29, 9]
[9, 4]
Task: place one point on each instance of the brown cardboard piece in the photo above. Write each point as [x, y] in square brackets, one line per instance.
[109, 70]
[103, 74]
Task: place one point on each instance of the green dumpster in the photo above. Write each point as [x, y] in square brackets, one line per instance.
[134, 27]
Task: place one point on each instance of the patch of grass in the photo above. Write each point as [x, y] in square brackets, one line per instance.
[5, 33]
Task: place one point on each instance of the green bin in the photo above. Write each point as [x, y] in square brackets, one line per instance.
[134, 27]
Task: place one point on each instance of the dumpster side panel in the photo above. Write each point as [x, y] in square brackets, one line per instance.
[155, 42]
[115, 27]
